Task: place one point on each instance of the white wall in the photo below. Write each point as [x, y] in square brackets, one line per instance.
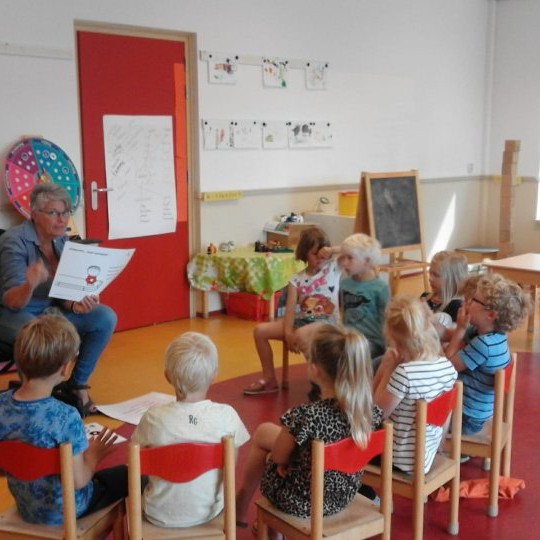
[515, 114]
[413, 84]
[515, 110]
[406, 80]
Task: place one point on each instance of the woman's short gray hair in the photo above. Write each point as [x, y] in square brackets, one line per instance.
[43, 193]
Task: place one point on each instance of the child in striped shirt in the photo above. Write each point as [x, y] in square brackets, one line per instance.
[412, 368]
[479, 347]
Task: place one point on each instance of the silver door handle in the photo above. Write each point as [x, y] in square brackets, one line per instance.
[94, 190]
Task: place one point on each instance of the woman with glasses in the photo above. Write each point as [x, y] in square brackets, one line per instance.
[29, 256]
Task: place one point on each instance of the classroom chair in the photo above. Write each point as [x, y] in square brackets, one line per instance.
[494, 442]
[362, 518]
[284, 366]
[182, 462]
[445, 468]
[27, 462]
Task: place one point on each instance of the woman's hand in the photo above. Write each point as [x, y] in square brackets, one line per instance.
[87, 304]
[36, 273]
[17, 297]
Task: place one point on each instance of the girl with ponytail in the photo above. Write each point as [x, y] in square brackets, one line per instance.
[412, 368]
[339, 362]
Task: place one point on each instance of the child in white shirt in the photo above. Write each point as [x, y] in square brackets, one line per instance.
[191, 362]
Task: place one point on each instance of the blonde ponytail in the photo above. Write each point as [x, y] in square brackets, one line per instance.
[344, 355]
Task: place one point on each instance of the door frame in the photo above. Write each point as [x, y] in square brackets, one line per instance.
[189, 39]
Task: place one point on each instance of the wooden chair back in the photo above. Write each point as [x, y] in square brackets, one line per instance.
[494, 442]
[27, 462]
[179, 463]
[445, 468]
[361, 519]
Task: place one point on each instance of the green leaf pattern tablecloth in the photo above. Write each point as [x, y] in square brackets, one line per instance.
[243, 270]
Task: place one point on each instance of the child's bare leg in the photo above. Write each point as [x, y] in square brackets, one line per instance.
[262, 334]
[261, 443]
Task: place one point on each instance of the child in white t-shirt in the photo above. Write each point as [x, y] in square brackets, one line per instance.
[191, 362]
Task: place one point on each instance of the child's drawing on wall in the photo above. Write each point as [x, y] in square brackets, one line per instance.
[246, 134]
[274, 73]
[222, 70]
[316, 75]
[217, 134]
[275, 135]
[300, 134]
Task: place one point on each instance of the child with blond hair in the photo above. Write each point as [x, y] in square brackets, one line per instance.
[280, 457]
[478, 346]
[412, 368]
[191, 362]
[447, 271]
[363, 294]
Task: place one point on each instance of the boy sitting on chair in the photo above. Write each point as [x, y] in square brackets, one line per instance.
[191, 362]
[45, 350]
[479, 346]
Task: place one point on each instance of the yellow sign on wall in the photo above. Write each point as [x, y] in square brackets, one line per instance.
[212, 196]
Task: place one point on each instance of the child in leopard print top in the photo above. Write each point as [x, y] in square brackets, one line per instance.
[345, 409]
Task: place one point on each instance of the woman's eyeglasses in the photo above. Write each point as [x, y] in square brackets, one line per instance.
[56, 214]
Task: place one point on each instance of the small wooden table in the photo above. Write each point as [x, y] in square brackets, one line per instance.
[242, 270]
[524, 269]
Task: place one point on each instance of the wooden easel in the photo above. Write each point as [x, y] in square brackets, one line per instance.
[388, 209]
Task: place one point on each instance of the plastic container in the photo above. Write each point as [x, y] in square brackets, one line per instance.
[248, 305]
[347, 203]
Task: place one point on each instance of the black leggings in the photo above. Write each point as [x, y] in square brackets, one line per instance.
[110, 485]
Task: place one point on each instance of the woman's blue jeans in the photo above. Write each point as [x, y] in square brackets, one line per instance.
[94, 328]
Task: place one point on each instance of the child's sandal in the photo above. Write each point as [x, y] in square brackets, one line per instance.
[87, 409]
[261, 387]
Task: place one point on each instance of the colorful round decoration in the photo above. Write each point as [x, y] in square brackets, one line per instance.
[38, 161]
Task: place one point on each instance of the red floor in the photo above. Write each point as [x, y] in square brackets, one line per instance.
[518, 518]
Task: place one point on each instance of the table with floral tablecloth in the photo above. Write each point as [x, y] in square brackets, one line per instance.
[242, 269]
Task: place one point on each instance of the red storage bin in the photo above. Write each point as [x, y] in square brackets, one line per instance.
[248, 305]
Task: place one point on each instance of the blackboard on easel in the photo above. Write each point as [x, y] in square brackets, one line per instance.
[389, 210]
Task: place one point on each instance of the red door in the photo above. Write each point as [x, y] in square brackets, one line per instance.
[129, 75]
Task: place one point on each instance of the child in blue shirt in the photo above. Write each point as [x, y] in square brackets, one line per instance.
[45, 348]
[497, 306]
[363, 294]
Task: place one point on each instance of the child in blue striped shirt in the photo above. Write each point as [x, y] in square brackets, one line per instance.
[496, 307]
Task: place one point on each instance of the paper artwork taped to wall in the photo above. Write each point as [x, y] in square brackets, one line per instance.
[321, 135]
[274, 73]
[246, 134]
[316, 75]
[222, 70]
[274, 135]
[300, 134]
[217, 134]
[310, 135]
